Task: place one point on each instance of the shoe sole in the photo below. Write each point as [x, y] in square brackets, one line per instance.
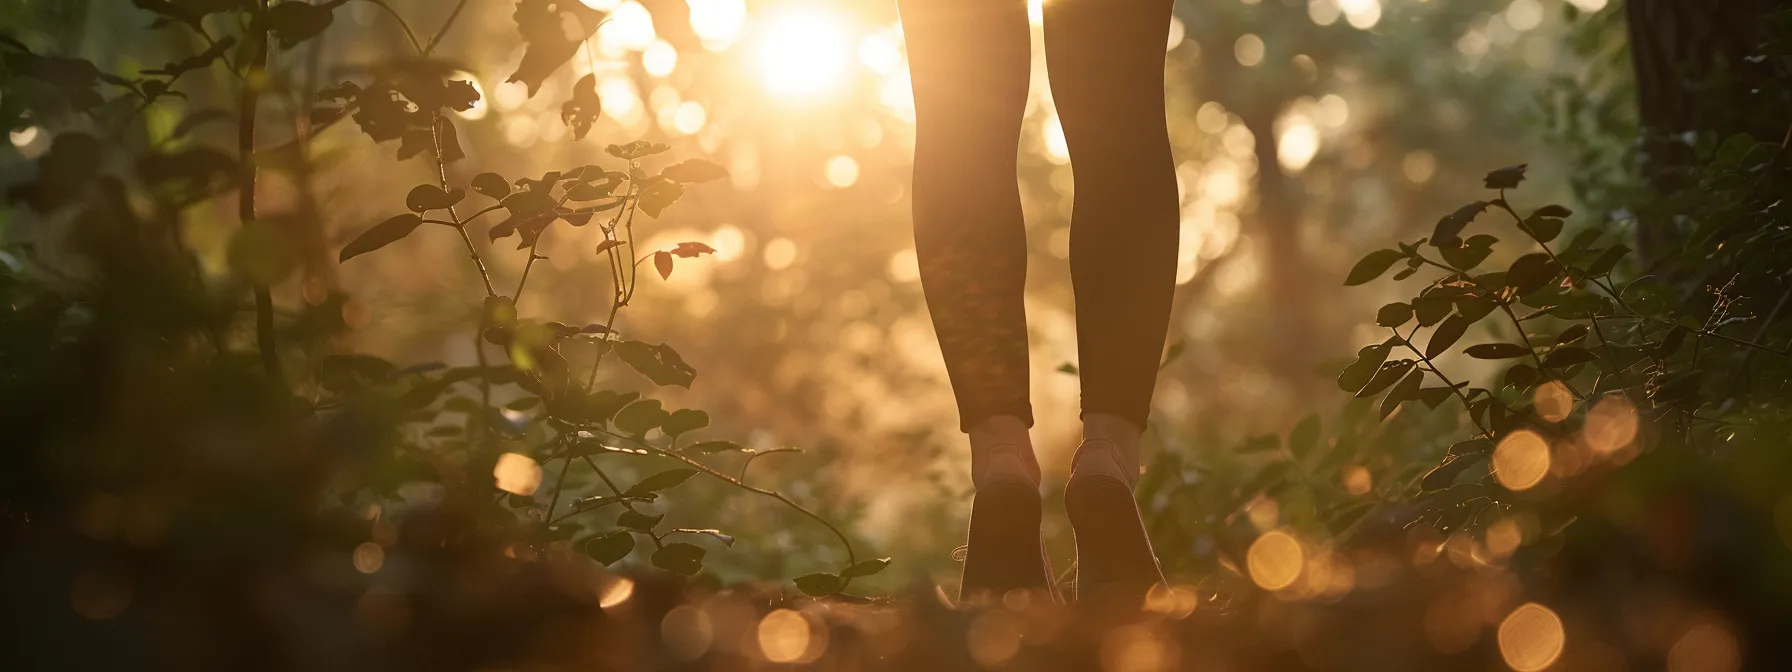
[1115, 562]
[1004, 544]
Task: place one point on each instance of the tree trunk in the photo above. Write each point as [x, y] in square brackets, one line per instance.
[1693, 76]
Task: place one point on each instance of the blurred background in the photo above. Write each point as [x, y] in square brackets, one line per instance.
[1304, 132]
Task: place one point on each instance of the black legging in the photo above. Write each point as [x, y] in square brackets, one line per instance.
[970, 61]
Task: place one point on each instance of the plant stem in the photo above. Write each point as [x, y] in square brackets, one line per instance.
[245, 145]
[443, 31]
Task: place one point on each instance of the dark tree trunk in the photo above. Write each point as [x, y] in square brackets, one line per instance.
[1693, 76]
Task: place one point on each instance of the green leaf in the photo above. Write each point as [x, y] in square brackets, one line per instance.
[866, 568]
[661, 481]
[1506, 178]
[1446, 335]
[819, 585]
[611, 547]
[382, 234]
[426, 197]
[491, 185]
[660, 363]
[639, 417]
[713, 447]
[1304, 436]
[1568, 355]
[1497, 351]
[694, 170]
[635, 520]
[1372, 266]
[1393, 315]
[679, 558]
[684, 420]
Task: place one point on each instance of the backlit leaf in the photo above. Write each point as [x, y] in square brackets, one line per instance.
[1372, 266]
[381, 235]
[818, 585]
[666, 479]
[611, 547]
[679, 558]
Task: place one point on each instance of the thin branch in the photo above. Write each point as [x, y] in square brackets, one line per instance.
[443, 31]
[408, 35]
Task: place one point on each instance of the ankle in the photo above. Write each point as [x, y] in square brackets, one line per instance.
[1110, 448]
[1001, 450]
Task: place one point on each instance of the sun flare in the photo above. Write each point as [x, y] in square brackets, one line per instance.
[804, 53]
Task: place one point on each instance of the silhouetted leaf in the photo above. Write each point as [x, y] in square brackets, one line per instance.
[1555, 211]
[1406, 390]
[1448, 232]
[1521, 376]
[1531, 272]
[582, 110]
[491, 185]
[1393, 315]
[639, 417]
[684, 420]
[381, 235]
[679, 558]
[1567, 356]
[658, 195]
[726, 539]
[866, 568]
[635, 520]
[542, 25]
[611, 547]
[662, 262]
[1430, 309]
[1372, 266]
[1506, 178]
[426, 197]
[661, 481]
[660, 363]
[819, 585]
[1446, 335]
[1389, 374]
[294, 21]
[689, 250]
[1497, 351]
[1444, 475]
[1435, 396]
[1607, 261]
[636, 150]
[1541, 228]
[1572, 334]
[1358, 373]
[694, 170]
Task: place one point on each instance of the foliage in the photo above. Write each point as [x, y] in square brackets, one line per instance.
[121, 306]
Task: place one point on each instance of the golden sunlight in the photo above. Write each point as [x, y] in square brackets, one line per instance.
[1521, 460]
[803, 53]
[1531, 638]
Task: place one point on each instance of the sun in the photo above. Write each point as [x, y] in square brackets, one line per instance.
[803, 53]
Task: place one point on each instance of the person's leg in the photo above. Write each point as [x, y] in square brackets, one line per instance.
[969, 60]
[1106, 64]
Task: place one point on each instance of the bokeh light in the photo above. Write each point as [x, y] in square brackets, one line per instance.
[1611, 425]
[1552, 401]
[994, 638]
[1521, 460]
[369, 557]
[803, 53]
[1531, 638]
[784, 636]
[517, 474]
[1706, 647]
[1275, 560]
[686, 633]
